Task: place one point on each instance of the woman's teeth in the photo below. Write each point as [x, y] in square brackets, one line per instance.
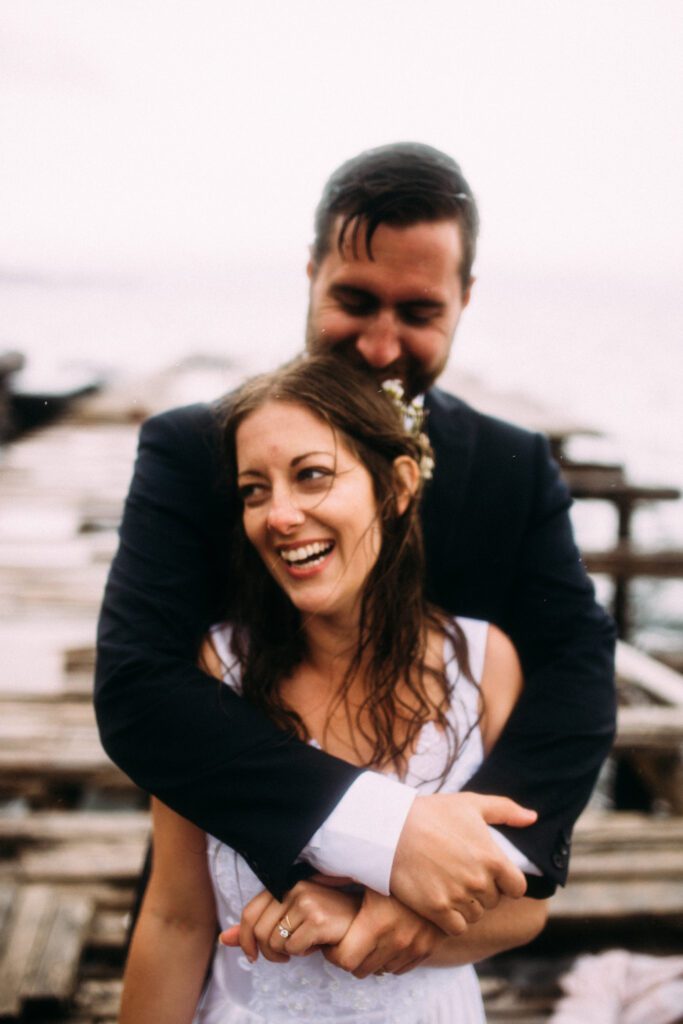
[307, 554]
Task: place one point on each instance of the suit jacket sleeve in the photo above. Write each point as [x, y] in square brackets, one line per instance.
[561, 730]
[178, 734]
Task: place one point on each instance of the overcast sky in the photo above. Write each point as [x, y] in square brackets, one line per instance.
[152, 133]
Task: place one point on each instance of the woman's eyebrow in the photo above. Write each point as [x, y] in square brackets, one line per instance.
[295, 462]
[299, 458]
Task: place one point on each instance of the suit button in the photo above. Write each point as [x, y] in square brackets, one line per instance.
[559, 860]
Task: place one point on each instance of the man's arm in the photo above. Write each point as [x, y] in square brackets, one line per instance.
[199, 748]
[562, 728]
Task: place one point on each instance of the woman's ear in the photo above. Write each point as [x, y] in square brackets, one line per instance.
[407, 475]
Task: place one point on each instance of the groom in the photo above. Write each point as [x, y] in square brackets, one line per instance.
[390, 274]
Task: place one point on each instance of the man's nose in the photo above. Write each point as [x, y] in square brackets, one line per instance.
[379, 343]
[284, 514]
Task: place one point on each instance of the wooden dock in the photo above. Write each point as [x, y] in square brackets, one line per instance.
[73, 829]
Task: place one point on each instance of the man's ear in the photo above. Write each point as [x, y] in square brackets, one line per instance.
[310, 269]
[467, 293]
[407, 475]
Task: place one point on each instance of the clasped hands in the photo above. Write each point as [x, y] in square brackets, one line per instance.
[361, 933]
[447, 873]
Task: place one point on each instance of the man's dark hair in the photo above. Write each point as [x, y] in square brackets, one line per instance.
[401, 184]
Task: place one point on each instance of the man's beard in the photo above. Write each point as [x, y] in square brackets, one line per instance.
[415, 379]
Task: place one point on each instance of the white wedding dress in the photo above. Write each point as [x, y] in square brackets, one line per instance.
[309, 988]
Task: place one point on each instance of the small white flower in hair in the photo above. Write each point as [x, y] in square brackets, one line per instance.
[413, 415]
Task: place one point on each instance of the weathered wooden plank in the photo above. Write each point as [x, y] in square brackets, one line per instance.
[68, 826]
[103, 861]
[109, 930]
[99, 997]
[107, 896]
[76, 587]
[50, 741]
[616, 901]
[51, 972]
[37, 781]
[629, 864]
[593, 485]
[658, 680]
[627, 830]
[32, 905]
[626, 561]
[8, 894]
[653, 728]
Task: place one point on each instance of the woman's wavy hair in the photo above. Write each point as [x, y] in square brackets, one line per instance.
[268, 640]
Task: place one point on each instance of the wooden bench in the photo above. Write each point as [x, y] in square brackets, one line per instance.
[44, 935]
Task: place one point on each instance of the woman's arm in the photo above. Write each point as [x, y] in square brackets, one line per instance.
[501, 686]
[176, 931]
[512, 923]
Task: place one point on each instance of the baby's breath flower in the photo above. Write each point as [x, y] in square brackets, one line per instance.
[413, 415]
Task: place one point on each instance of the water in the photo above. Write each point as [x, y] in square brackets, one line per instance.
[607, 352]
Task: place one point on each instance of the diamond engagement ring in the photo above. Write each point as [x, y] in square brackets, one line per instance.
[285, 927]
[284, 932]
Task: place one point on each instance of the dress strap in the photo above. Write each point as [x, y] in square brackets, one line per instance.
[220, 638]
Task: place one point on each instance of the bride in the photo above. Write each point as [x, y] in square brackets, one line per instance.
[331, 635]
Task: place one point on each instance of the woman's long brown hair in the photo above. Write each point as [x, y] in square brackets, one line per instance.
[268, 640]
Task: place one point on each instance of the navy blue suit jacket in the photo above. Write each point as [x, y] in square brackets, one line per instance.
[499, 547]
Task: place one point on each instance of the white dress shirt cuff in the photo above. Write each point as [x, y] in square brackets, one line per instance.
[519, 859]
[360, 837]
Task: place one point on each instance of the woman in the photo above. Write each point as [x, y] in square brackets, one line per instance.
[332, 636]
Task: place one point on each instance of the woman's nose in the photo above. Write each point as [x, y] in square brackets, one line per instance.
[284, 515]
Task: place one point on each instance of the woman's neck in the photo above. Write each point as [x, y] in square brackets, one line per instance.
[331, 645]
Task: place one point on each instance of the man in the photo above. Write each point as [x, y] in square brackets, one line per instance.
[390, 274]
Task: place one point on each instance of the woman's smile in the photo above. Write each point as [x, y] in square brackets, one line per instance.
[306, 558]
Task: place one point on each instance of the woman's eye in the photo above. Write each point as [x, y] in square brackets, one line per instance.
[314, 474]
[252, 494]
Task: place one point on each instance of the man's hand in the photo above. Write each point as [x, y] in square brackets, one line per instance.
[384, 937]
[447, 867]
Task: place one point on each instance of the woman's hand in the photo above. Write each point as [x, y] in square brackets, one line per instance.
[365, 935]
[314, 915]
[385, 937]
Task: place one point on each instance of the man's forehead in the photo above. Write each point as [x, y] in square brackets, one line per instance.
[357, 239]
[423, 258]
